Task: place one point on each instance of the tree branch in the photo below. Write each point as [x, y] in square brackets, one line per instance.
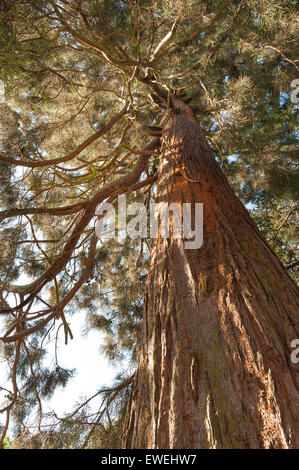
[70, 156]
[166, 38]
[193, 35]
[95, 45]
[66, 210]
[121, 184]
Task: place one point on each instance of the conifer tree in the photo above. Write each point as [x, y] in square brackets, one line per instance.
[174, 101]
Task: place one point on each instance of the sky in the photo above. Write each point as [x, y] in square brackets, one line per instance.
[83, 353]
[93, 369]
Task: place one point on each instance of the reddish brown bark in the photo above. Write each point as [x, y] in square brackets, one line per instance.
[215, 368]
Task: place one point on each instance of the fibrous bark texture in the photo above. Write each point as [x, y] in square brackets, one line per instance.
[215, 368]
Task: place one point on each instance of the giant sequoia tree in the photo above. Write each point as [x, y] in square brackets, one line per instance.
[87, 84]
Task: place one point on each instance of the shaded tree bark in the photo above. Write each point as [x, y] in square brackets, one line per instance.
[215, 368]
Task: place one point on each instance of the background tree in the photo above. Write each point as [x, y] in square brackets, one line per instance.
[87, 83]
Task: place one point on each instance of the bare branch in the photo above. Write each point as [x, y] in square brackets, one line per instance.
[283, 56]
[66, 210]
[166, 38]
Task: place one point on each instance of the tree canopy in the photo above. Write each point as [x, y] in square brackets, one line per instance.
[88, 87]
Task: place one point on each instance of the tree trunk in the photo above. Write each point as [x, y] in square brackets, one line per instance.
[215, 368]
